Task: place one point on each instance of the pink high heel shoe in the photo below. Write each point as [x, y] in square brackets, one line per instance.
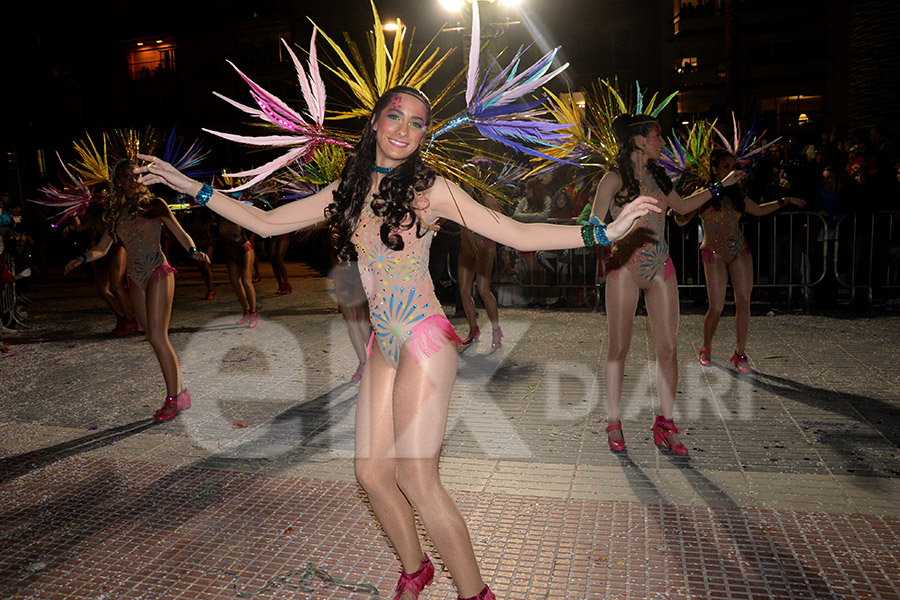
[474, 334]
[615, 445]
[243, 320]
[486, 594]
[359, 371]
[496, 336]
[741, 362]
[415, 582]
[253, 319]
[175, 404]
[662, 429]
[705, 357]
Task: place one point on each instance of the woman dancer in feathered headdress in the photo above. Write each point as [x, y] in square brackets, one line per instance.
[385, 206]
[724, 252]
[640, 263]
[135, 217]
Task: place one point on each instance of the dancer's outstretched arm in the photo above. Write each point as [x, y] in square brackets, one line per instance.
[700, 197]
[180, 234]
[97, 252]
[286, 218]
[449, 201]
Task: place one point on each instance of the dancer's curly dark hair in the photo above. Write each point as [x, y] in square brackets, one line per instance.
[625, 129]
[115, 204]
[396, 192]
[735, 193]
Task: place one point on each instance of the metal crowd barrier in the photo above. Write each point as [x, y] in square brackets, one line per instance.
[793, 251]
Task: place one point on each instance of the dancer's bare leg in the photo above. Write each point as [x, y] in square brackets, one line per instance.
[235, 277]
[621, 302]
[247, 262]
[661, 297]
[465, 272]
[400, 428]
[116, 261]
[484, 268]
[153, 308]
[741, 271]
[716, 285]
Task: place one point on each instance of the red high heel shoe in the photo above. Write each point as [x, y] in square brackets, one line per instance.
[243, 320]
[415, 582]
[615, 445]
[662, 429]
[496, 337]
[486, 594]
[253, 319]
[741, 362]
[474, 334]
[210, 295]
[284, 288]
[179, 403]
[705, 357]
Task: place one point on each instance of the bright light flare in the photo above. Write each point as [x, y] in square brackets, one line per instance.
[452, 5]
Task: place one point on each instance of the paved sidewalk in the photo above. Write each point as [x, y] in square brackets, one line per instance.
[792, 488]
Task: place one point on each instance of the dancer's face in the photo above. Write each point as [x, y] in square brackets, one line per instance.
[128, 181]
[652, 144]
[724, 167]
[399, 129]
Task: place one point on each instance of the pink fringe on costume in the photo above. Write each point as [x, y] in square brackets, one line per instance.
[426, 337]
[430, 335]
[162, 270]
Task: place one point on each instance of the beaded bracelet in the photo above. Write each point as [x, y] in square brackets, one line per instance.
[715, 190]
[594, 233]
[84, 259]
[599, 231]
[204, 194]
[192, 250]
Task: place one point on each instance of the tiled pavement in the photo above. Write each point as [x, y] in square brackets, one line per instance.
[792, 489]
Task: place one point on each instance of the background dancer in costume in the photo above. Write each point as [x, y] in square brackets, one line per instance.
[725, 254]
[477, 255]
[640, 262]
[135, 217]
[109, 272]
[239, 256]
[385, 206]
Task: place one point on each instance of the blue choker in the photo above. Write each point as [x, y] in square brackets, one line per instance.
[382, 170]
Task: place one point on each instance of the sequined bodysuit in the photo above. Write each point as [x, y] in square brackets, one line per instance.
[145, 258]
[399, 289]
[722, 236]
[645, 258]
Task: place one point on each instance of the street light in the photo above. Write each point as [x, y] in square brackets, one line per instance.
[457, 5]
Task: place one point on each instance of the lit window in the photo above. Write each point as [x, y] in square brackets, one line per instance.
[152, 58]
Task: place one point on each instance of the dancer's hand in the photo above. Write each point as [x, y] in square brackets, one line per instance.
[159, 171]
[733, 177]
[631, 212]
[799, 202]
[73, 264]
[201, 257]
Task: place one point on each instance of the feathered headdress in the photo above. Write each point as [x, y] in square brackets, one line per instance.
[493, 107]
[743, 148]
[302, 136]
[86, 180]
[389, 69]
